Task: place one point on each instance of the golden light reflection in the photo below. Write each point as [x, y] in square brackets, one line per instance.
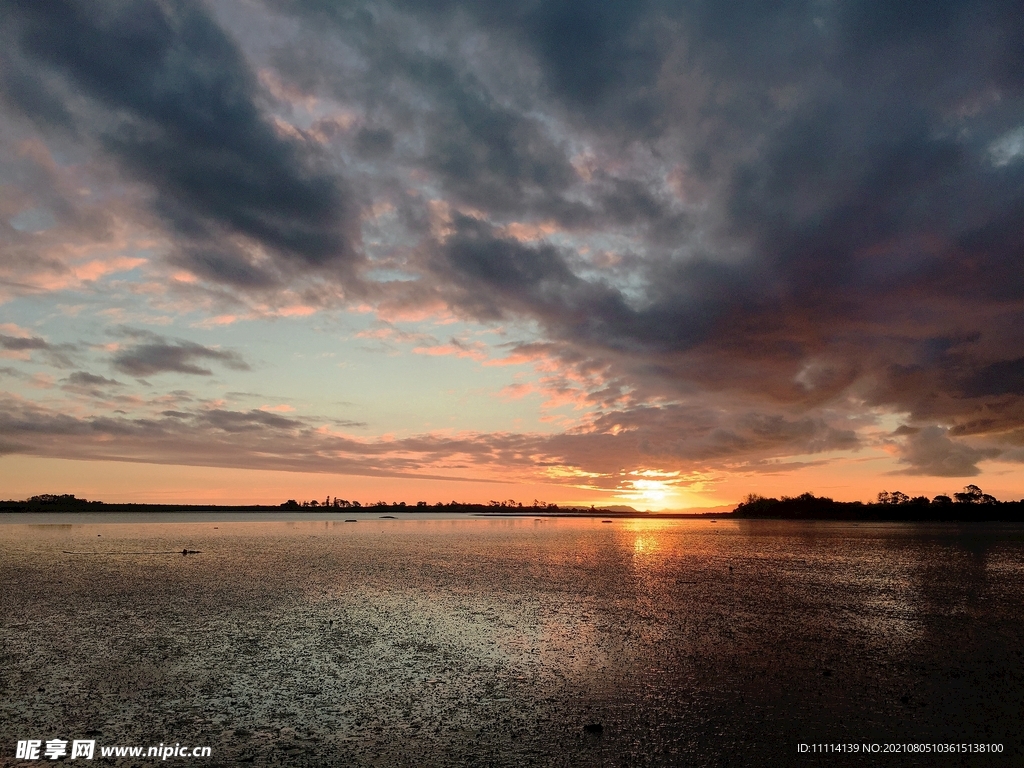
[656, 549]
[652, 539]
[642, 545]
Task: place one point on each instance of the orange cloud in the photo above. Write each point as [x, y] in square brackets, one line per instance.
[528, 232]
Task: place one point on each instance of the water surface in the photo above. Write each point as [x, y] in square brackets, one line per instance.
[434, 640]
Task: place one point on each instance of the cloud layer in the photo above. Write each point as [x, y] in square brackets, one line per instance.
[163, 90]
[150, 354]
[740, 231]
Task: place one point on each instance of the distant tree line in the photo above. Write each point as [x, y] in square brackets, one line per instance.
[55, 498]
[970, 504]
[68, 502]
[49, 501]
[336, 503]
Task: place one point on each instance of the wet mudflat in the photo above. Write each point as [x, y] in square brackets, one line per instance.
[512, 642]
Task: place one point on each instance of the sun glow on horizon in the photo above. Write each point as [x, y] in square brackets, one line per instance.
[659, 490]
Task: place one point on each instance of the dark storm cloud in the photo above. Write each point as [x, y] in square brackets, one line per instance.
[487, 148]
[592, 49]
[1005, 377]
[687, 436]
[847, 149]
[150, 354]
[628, 202]
[225, 263]
[498, 274]
[848, 174]
[593, 54]
[491, 155]
[23, 86]
[172, 98]
[375, 142]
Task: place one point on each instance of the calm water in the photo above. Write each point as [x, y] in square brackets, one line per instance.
[440, 641]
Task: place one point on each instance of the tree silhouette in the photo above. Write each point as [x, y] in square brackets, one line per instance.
[972, 494]
[893, 497]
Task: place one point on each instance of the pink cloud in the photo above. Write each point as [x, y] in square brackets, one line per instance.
[473, 352]
[516, 391]
[98, 268]
[297, 310]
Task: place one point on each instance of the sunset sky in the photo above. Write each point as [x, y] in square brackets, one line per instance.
[660, 254]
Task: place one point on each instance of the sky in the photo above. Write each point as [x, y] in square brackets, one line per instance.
[614, 252]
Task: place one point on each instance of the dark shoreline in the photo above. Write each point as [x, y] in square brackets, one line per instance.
[1005, 513]
[477, 510]
[94, 506]
[806, 507]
